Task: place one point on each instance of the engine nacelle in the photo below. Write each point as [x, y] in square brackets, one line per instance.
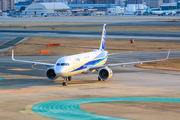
[88, 71]
[50, 74]
[105, 73]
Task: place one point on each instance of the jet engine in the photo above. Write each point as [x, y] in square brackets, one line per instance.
[105, 73]
[50, 74]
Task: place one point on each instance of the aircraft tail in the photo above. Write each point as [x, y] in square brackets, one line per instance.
[148, 10]
[103, 39]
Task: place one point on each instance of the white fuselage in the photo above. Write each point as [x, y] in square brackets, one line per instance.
[78, 64]
[163, 12]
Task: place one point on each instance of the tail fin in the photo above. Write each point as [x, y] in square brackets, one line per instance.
[148, 10]
[103, 39]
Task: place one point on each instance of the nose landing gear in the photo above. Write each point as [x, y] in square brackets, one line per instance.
[64, 83]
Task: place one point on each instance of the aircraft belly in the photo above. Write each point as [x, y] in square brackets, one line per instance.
[76, 72]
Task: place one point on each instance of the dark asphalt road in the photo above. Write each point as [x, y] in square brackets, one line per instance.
[4, 39]
[6, 43]
[126, 33]
[128, 23]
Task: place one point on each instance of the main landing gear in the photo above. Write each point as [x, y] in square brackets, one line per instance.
[65, 81]
[69, 78]
[99, 79]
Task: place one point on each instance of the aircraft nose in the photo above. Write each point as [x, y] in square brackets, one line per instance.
[60, 71]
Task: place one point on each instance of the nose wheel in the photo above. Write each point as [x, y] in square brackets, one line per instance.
[65, 80]
[64, 83]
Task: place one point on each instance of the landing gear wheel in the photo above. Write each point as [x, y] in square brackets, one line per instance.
[69, 78]
[99, 79]
[64, 84]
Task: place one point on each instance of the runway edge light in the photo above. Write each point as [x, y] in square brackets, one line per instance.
[0, 79]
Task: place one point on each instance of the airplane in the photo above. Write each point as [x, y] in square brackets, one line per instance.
[160, 13]
[84, 63]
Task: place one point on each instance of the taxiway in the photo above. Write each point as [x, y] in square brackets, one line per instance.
[24, 85]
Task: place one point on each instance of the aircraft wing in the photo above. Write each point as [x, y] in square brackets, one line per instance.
[39, 63]
[117, 53]
[128, 63]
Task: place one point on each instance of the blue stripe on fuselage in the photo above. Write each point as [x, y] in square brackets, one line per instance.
[90, 63]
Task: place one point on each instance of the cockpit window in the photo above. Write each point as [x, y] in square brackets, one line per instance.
[62, 64]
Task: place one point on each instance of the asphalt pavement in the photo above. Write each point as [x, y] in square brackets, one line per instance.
[5, 43]
[152, 36]
[92, 19]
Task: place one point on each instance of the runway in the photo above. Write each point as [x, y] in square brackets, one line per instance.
[92, 19]
[152, 36]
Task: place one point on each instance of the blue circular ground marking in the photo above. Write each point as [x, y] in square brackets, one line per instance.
[69, 109]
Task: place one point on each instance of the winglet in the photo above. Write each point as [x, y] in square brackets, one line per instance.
[13, 54]
[168, 54]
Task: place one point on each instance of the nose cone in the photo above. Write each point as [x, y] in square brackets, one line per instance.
[61, 71]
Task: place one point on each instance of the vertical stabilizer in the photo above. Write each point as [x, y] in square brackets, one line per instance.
[103, 39]
[148, 10]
